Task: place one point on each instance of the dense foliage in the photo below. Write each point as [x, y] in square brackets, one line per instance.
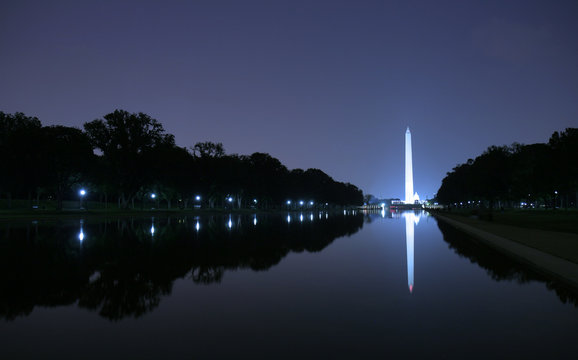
[126, 157]
[530, 175]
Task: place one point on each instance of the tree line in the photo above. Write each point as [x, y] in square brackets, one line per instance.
[125, 157]
[542, 174]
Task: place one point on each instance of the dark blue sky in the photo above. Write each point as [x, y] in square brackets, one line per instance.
[323, 84]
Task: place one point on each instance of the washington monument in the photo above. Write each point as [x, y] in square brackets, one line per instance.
[409, 197]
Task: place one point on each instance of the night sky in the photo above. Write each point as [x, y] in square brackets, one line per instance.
[317, 84]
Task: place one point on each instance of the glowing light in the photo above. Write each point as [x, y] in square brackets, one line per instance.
[198, 198]
[254, 201]
[311, 217]
[152, 230]
[198, 226]
[230, 224]
[230, 199]
[288, 202]
[255, 221]
[82, 192]
[326, 215]
[288, 219]
[301, 217]
[383, 213]
[410, 220]
[153, 195]
[81, 233]
[408, 169]
[301, 202]
[310, 202]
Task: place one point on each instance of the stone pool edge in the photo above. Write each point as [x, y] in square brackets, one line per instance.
[559, 268]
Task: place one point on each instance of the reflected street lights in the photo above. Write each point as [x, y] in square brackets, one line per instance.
[81, 233]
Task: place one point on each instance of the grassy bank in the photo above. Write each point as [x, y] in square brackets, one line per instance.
[554, 232]
[562, 220]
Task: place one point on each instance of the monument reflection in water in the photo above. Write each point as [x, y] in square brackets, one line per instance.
[411, 220]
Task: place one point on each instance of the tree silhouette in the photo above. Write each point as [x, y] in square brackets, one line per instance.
[518, 173]
[127, 142]
[20, 142]
[66, 157]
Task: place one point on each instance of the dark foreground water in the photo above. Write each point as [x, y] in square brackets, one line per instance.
[309, 285]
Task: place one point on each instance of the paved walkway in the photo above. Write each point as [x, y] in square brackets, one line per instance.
[548, 251]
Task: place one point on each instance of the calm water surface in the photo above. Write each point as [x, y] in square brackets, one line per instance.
[311, 285]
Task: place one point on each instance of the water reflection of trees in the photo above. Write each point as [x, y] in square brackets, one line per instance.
[121, 268]
[501, 267]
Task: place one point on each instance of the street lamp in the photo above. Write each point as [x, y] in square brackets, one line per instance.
[82, 192]
[154, 196]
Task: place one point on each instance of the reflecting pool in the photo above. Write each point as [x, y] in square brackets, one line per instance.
[292, 285]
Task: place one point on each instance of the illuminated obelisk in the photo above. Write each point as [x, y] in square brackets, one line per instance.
[409, 228]
[409, 197]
